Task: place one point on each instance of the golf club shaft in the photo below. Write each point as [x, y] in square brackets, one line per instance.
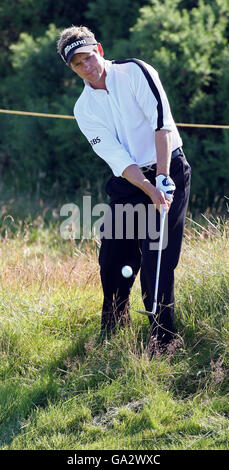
[162, 224]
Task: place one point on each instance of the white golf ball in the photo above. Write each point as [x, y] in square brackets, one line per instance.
[127, 271]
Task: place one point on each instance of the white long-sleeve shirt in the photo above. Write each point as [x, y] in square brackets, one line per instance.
[120, 122]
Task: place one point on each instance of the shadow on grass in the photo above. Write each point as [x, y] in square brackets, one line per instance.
[86, 364]
[22, 394]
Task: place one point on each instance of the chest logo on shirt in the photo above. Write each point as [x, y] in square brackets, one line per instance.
[95, 141]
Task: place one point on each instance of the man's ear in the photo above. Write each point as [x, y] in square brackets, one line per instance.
[100, 49]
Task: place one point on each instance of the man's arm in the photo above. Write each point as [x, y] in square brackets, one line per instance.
[135, 176]
[164, 150]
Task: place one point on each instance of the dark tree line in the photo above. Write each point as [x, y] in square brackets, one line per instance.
[186, 41]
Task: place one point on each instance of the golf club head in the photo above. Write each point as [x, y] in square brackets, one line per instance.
[145, 312]
[154, 307]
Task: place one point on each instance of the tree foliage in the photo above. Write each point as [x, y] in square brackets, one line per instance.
[186, 41]
[189, 49]
[117, 16]
[44, 154]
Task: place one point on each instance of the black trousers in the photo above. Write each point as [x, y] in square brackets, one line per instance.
[136, 251]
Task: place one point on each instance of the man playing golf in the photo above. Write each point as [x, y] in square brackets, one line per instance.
[124, 113]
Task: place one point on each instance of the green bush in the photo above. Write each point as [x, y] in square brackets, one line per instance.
[187, 42]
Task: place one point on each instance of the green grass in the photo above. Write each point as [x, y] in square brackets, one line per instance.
[61, 389]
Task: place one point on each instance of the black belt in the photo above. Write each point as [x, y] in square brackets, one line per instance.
[176, 153]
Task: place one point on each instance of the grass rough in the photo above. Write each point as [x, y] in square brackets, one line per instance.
[61, 389]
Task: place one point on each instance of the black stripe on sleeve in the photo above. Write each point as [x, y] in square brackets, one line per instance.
[152, 87]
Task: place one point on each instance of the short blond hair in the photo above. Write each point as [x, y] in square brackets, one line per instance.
[73, 32]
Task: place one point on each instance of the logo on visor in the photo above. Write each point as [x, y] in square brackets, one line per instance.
[74, 44]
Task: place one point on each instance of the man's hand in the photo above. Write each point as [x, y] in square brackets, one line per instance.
[159, 199]
[166, 185]
[135, 176]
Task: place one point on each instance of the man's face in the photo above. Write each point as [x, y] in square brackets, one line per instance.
[88, 65]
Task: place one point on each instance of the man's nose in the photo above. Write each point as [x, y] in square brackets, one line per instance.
[86, 65]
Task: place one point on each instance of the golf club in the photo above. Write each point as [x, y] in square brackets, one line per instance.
[162, 224]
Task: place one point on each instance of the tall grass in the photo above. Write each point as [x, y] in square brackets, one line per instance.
[60, 388]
